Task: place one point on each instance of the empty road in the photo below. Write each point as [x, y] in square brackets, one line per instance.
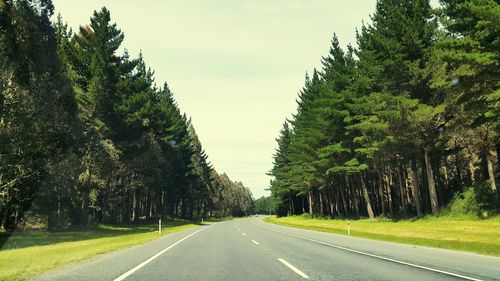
[250, 249]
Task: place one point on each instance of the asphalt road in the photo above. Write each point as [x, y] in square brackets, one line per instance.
[250, 249]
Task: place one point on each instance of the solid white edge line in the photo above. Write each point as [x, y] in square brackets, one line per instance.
[142, 264]
[293, 268]
[255, 242]
[375, 256]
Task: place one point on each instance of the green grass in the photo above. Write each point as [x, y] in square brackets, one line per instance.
[465, 234]
[26, 254]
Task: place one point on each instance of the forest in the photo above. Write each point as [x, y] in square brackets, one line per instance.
[405, 123]
[86, 134]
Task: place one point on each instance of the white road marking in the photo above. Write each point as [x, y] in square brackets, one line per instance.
[243, 234]
[130, 272]
[255, 242]
[375, 256]
[293, 268]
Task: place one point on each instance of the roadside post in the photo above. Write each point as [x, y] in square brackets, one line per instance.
[159, 227]
[348, 229]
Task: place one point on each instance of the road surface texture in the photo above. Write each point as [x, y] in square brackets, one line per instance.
[250, 249]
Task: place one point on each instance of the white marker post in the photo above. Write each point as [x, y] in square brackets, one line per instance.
[159, 227]
[348, 229]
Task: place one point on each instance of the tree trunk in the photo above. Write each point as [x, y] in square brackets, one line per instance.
[446, 176]
[321, 209]
[309, 197]
[497, 148]
[430, 182]
[151, 210]
[440, 186]
[332, 201]
[344, 202]
[388, 182]
[457, 167]
[402, 191]
[416, 188]
[353, 196]
[84, 210]
[162, 202]
[409, 192]
[381, 192]
[148, 209]
[184, 206]
[366, 196]
[332, 208]
[491, 170]
[472, 170]
[134, 206]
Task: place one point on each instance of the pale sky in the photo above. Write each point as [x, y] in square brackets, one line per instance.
[234, 66]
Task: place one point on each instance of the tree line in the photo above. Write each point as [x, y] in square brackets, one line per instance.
[264, 205]
[401, 124]
[86, 135]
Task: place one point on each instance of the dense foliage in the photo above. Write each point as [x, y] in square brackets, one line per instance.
[400, 124]
[264, 205]
[87, 136]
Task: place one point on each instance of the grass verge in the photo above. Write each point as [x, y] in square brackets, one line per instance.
[26, 254]
[478, 236]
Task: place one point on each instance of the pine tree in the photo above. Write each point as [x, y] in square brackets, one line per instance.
[282, 195]
[470, 54]
[37, 107]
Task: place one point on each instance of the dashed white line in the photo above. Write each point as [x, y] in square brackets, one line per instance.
[293, 268]
[255, 242]
[244, 234]
[376, 256]
[130, 272]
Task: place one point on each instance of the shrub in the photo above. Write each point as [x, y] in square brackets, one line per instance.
[464, 204]
[485, 197]
[477, 200]
[307, 216]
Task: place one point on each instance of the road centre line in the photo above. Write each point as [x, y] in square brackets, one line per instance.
[293, 268]
[374, 256]
[141, 265]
